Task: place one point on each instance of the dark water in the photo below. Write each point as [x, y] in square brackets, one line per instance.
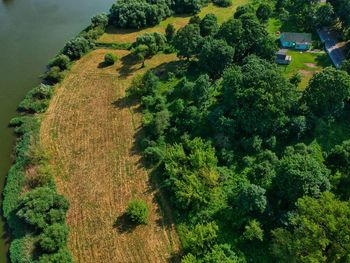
[31, 33]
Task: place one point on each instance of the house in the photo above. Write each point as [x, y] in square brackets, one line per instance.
[282, 58]
[298, 41]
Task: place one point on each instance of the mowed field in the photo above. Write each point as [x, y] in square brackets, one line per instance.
[90, 131]
[115, 35]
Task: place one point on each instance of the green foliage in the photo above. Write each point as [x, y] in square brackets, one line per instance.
[223, 254]
[188, 6]
[252, 200]
[63, 255]
[188, 41]
[37, 99]
[222, 3]
[300, 173]
[76, 48]
[320, 232]
[327, 92]
[209, 25]
[138, 13]
[264, 12]
[138, 212]
[192, 174]
[253, 231]
[54, 238]
[110, 59]
[54, 75]
[215, 56]
[170, 32]
[199, 239]
[62, 61]
[42, 207]
[100, 20]
[155, 42]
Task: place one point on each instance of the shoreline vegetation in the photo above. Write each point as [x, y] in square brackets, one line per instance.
[238, 163]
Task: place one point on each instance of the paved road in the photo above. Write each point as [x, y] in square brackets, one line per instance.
[332, 47]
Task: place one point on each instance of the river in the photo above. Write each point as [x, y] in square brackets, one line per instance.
[31, 33]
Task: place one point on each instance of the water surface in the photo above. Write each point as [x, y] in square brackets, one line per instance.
[31, 33]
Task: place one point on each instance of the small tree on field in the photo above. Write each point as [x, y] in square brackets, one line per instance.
[110, 59]
[138, 212]
[170, 32]
[141, 52]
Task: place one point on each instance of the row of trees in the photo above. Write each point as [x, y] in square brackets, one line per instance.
[227, 136]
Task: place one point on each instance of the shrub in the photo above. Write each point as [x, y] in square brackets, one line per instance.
[100, 20]
[54, 75]
[42, 207]
[222, 3]
[63, 255]
[61, 61]
[54, 237]
[76, 48]
[170, 32]
[37, 99]
[110, 59]
[138, 211]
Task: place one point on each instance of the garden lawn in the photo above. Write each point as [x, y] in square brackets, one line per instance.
[307, 64]
[115, 35]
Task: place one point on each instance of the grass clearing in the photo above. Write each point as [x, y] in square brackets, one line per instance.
[115, 35]
[90, 129]
[307, 64]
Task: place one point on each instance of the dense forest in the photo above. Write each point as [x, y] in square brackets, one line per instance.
[256, 169]
[249, 161]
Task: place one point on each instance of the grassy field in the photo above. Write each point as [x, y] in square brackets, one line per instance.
[114, 35]
[307, 64]
[90, 130]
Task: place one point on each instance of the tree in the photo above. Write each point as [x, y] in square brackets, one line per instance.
[53, 238]
[191, 169]
[327, 92]
[138, 212]
[339, 162]
[100, 20]
[346, 66]
[244, 9]
[209, 25]
[187, 6]
[170, 32]
[110, 59]
[325, 16]
[62, 61]
[155, 42]
[54, 75]
[253, 231]
[252, 200]
[76, 48]
[42, 207]
[141, 52]
[222, 253]
[299, 173]
[199, 239]
[63, 255]
[215, 56]
[231, 31]
[188, 41]
[222, 3]
[264, 12]
[320, 232]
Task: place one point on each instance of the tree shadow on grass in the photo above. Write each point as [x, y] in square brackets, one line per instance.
[103, 64]
[128, 62]
[124, 225]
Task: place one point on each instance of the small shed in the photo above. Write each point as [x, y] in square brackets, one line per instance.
[282, 58]
[298, 41]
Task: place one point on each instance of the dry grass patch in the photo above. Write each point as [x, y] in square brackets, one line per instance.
[92, 141]
[115, 35]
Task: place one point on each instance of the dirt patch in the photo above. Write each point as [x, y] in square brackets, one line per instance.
[92, 140]
[311, 65]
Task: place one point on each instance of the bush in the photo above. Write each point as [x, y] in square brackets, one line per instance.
[54, 75]
[76, 48]
[138, 212]
[54, 237]
[110, 59]
[61, 61]
[37, 99]
[42, 207]
[100, 20]
[222, 3]
[63, 255]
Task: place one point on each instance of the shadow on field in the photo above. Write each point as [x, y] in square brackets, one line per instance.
[124, 225]
[128, 62]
